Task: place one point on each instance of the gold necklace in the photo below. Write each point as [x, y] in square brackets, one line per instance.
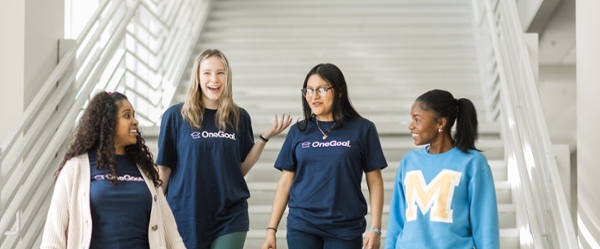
[324, 133]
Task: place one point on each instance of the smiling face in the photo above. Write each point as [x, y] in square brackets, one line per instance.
[321, 106]
[213, 80]
[126, 127]
[424, 126]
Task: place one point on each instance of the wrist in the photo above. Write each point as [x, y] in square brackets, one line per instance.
[272, 229]
[264, 139]
[376, 230]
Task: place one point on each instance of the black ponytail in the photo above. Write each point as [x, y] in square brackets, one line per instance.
[466, 125]
[460, 110]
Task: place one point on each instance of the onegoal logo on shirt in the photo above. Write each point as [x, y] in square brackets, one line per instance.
[206, 134]
[317, 144]
[123, 178]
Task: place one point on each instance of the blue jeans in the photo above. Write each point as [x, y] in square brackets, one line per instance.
[301, 240]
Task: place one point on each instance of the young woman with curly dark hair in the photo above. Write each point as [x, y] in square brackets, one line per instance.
[107, 192]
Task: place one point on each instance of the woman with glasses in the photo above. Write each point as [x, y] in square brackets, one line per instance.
[322, 162]
[206, 147]
[444, 195]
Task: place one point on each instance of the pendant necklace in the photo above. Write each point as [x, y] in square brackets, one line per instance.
[324, 133]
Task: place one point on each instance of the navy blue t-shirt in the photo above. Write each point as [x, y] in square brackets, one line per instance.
[207, 190]
[120, 213]
[326, 197]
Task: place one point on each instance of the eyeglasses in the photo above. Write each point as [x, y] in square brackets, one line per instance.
[309, 92]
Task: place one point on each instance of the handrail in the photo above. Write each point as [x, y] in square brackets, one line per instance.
[136, 47]
[559, 215]
[512, 135]
[507, 76]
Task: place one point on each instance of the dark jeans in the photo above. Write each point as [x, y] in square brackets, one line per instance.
[301, 240]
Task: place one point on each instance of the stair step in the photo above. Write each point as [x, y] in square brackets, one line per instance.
[299, 20]
[260, 216]
[285, 44]
[386, 125]
[262, 192]
[509, 238]
[265, 172]
[498, 170]
[369, 107]
[394, 148]
[492, 149]
[319, 7]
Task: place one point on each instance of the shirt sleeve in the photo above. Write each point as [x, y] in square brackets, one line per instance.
[484, 209]
[57, 222]
[396, 216]
[373, 153]
[246, 134]
[286, 160]
[167, 139]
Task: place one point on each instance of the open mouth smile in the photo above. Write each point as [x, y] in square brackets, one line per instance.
[214, 89]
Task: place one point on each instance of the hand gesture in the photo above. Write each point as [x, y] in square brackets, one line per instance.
[279, 126]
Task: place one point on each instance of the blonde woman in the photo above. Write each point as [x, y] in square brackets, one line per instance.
[206, 147]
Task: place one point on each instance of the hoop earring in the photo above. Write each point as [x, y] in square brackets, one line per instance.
[440, 130]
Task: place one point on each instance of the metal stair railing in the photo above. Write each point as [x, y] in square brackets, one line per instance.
[512, 98]
[137, 47]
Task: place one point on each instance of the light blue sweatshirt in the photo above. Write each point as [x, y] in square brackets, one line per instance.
[445, 200]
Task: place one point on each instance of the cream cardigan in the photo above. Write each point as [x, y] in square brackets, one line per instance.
[69, 221]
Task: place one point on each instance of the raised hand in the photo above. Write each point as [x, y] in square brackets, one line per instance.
[280, 125]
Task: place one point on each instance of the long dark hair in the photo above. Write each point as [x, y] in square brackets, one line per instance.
[96, 131]
[342, 107]
[462, 110]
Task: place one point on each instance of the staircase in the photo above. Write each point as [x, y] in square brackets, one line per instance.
[390, 52]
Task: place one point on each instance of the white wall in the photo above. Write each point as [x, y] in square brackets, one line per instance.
[44, 26]
[557, 88]
[30, 31]
[12, 46]
[588, 87]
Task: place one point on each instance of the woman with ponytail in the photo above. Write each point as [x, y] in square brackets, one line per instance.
[444, 195]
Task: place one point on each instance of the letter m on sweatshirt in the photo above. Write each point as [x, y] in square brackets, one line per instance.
[435, 196]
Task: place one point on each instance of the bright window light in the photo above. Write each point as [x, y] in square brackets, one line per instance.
[77, 14]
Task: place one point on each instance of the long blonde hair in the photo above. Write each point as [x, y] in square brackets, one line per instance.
[228, 113]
